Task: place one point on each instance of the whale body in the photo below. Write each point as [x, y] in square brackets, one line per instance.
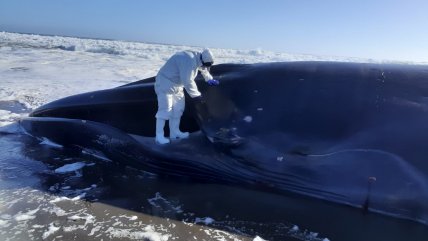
[349, 133]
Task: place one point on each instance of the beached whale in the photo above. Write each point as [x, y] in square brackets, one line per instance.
[349, 133]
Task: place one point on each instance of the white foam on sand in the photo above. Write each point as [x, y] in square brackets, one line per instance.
[148, 233]
[51, 230]
[216, 234]
[57, 211]
[130, 218]
[59, 199]
[70, 167]
[4, 223]
[94, 230]
[26, 216]
[88, 218]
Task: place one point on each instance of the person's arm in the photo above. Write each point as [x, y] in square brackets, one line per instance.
[208, 77]
[206, 74]
[186, 76]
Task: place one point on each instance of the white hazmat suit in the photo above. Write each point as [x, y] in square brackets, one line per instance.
[178, 72]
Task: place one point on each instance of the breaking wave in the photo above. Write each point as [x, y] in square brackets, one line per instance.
[150, 50]
[113, 47]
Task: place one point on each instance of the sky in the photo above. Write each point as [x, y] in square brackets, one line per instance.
[377, 29]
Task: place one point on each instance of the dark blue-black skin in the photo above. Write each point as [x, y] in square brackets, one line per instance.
[355, 134]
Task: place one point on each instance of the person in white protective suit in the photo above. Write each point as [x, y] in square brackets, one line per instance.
[179, 72]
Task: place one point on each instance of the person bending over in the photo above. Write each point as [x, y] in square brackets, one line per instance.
[179, 73]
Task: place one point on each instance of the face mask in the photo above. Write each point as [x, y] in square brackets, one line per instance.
[207, 64]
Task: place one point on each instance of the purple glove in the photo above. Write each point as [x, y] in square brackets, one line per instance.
[213, 82]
